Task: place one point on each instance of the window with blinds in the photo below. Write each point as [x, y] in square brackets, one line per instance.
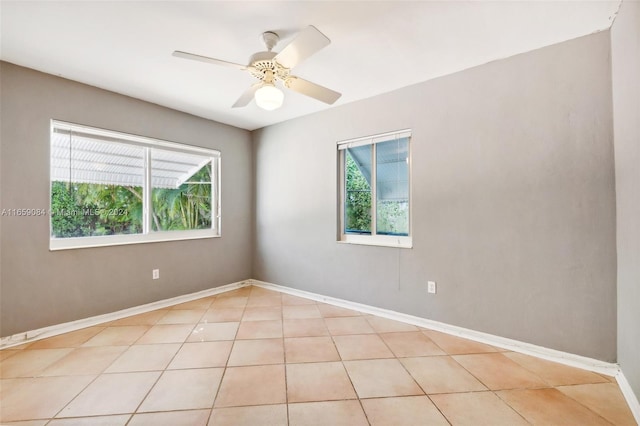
[112, 188]
[374, 195]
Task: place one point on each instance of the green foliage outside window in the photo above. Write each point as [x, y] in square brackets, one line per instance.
[358, 199]
[85, 209]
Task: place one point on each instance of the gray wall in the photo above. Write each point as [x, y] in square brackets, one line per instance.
[513, 201]
[41, 288]
[625, 52]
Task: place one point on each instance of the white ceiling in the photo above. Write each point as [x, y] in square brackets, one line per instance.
[377, 46]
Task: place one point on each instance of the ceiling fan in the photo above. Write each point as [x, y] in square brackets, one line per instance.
[270, 67]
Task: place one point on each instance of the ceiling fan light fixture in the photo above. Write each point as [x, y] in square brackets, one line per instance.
[269, 97]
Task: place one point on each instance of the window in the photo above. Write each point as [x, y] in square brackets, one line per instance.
[374, 190]
[111, 188]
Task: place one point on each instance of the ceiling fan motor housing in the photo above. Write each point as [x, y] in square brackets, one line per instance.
[262, 62]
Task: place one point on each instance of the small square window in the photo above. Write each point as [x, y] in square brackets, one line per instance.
[375, 190]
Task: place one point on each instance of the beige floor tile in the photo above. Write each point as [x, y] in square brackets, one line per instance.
[262, 313]
[553, 373]
[260, 329]
[166, 333]
[456, 345]
[183, 390]
[207, 332]
[497, 371]
[441, 374]
[99, 376]
[148, 318]
[362, 346]
[259, 291]
[550, 406]
[38, 398]
[384, 325]
[117, 336]
[229, 302]
[477, 408]
[611, 379]
[223, 315]
[119, 393]
[300, 311]
[6, 353]
[288, 299]
[259, 385]
[305, 328]
[67, 340]
[202, 303]
[310, 349]
[271, 415]
[257, 352]
[324, 381]
[182, 316]
[202, 355]
[240, 292]
[85, 361]
[263, 301]
[411, 343]
[331, 311]
[403, 411]
[348, 325]
[604, 399]
[381, 377]
[92, 421]
[171, 418]
[144, 358]
[334, 413]
[30, 363]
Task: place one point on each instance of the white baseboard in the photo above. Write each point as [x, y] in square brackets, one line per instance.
[54, 330]
[572, 360]
[629, 395]
[607, 368]
[565, 358]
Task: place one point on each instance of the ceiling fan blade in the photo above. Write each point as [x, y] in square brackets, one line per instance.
[194, 57]
[306, 43]
[312, 90]
[247, 96]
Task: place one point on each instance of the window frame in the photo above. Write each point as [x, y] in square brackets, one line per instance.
[372, 239]
[148, 235]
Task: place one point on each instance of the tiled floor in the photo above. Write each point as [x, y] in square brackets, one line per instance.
[258, 357]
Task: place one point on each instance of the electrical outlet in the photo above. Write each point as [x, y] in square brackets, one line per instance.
[431, 287]
[156, 274]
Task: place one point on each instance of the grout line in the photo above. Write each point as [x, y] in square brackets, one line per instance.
[565, 358]
[342, 361]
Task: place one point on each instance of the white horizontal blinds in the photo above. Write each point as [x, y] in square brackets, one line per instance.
[82, 159]
[64, 128]
[368, 140]
[121, 186]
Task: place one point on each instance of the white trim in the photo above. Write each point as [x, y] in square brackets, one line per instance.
[373, 139]
[629, 395]
[377, 240]
[116, 240]
[572, 360]
[54, 330]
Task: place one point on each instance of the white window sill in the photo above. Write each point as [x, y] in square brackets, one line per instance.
[116, 240]
[377, 240]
